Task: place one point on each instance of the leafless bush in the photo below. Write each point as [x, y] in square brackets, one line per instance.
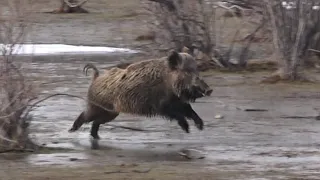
[16, 92]
[294, 26]
[199, 26]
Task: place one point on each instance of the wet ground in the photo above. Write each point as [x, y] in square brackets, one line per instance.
[281, 142]
[260, 144]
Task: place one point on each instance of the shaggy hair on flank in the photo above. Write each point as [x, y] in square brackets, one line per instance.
[157, 87]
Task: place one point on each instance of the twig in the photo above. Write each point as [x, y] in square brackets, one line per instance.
[298, 117]
[255, 110]
[112, 172]
[12, 101]
[219, 4]
[245, 49]
[45, 98]
[60, 94]
[135, 170]
[314, 50]
[141, 171]
[6, 139]
[250, 36]
[16, 150]
[64, 94]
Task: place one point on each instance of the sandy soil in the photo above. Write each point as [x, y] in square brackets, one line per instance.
[281, 142]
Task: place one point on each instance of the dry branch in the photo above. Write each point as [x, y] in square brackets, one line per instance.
[196, 25]
[314, 50]
[79, 97]
[15, 91]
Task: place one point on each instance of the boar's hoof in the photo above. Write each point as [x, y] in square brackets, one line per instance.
[184, 125]
[200, 126]
[71, 130]
[95, 136]
[208, 93]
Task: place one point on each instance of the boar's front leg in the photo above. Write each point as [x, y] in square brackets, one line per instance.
[168, 111]
[186, 110]
[190, 113]
[181, 121]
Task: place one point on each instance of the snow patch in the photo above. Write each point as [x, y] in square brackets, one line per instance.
[47, 49]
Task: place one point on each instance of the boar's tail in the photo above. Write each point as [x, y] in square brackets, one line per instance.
[91, 66]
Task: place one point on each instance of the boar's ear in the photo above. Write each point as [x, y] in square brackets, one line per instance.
[174, 59]
[185, 50]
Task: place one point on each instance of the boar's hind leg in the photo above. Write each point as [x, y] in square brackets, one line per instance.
[91, 113]
[78, 122]
[170, 113]
[105, 117]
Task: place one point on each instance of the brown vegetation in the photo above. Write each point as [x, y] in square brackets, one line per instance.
[16, 92]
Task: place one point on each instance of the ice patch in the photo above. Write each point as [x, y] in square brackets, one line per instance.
[46, 49]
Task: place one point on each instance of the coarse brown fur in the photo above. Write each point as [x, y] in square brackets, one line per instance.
[157, 87]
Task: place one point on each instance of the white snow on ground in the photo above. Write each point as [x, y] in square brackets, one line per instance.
[46, 49]
[228, 5]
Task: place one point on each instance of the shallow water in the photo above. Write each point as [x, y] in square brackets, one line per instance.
[248, 141]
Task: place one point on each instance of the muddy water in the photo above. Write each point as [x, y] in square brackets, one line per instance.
[240, 141]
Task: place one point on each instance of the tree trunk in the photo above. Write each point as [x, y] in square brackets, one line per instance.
[292, 32]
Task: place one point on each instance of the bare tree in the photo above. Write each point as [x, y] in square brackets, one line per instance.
[198, 26]
[294, 27]
[71, 6]
[16, 92]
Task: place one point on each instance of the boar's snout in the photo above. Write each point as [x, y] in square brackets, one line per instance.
[198, 90]
[204, 88]
[208, 92]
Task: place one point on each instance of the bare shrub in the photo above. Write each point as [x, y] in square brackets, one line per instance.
[199, 26]
[294, 26]
[16, 92]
